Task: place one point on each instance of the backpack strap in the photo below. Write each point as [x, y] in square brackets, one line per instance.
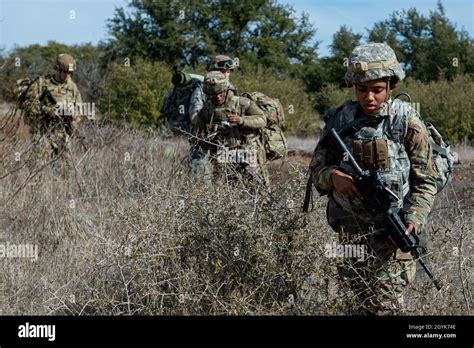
[439, 149]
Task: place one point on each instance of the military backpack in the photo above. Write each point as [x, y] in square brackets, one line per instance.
[22, 87]
[272, 136]
[443, 157]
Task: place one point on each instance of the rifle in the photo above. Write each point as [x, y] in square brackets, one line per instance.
[378, 199]
[46, 95]
[308, 193]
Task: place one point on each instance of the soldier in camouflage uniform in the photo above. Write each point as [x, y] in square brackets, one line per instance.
[391, 138]
[52, 124]
[228, 127]
[226, 66]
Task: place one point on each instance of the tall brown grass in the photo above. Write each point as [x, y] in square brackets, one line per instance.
[124, 228]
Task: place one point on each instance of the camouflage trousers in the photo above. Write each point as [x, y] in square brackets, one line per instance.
[53, 142]
[376, 279]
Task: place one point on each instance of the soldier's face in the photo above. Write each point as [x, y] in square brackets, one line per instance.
[372, 94]
[218, 99]
[226, 73]
[61, 75]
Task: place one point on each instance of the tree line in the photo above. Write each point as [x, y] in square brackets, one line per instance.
[268, 37]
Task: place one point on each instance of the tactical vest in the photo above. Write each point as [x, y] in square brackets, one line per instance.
[65, 93]
[231, 135]
[377, 146]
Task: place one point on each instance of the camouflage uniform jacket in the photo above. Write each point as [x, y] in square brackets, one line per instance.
[247, 133]
[198, 99]
[410, 172]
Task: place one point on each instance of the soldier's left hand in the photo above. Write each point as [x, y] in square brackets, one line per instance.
[234, 119]
[410, 229]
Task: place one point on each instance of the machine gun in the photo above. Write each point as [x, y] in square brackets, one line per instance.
[379, 199]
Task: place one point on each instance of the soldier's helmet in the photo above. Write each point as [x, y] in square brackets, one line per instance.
[65, 62]
[373, 61]
[221, 62]
[215, 83]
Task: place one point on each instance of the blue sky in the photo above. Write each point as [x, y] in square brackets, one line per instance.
[24, 22]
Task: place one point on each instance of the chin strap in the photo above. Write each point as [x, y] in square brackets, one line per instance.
[389, 92]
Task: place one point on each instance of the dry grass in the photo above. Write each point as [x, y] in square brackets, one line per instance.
[123, 228]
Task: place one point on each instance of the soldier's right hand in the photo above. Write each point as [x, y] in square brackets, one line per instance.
[344, 183]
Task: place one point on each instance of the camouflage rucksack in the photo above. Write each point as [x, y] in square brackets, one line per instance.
[443, 156]
[21, 89]
[272, 135]
[176, 106]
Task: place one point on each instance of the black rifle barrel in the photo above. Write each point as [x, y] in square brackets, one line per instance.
[345, 154]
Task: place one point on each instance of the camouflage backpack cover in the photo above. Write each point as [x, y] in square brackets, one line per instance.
[22, 87]
[443, 156]
[272, 136]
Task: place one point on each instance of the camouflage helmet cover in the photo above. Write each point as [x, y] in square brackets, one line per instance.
[215, 83]
[372, 61]
[222, 62]
[65, 62]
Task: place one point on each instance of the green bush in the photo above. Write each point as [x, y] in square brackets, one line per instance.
[332, 96]
[135, 93]
[447, 104]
